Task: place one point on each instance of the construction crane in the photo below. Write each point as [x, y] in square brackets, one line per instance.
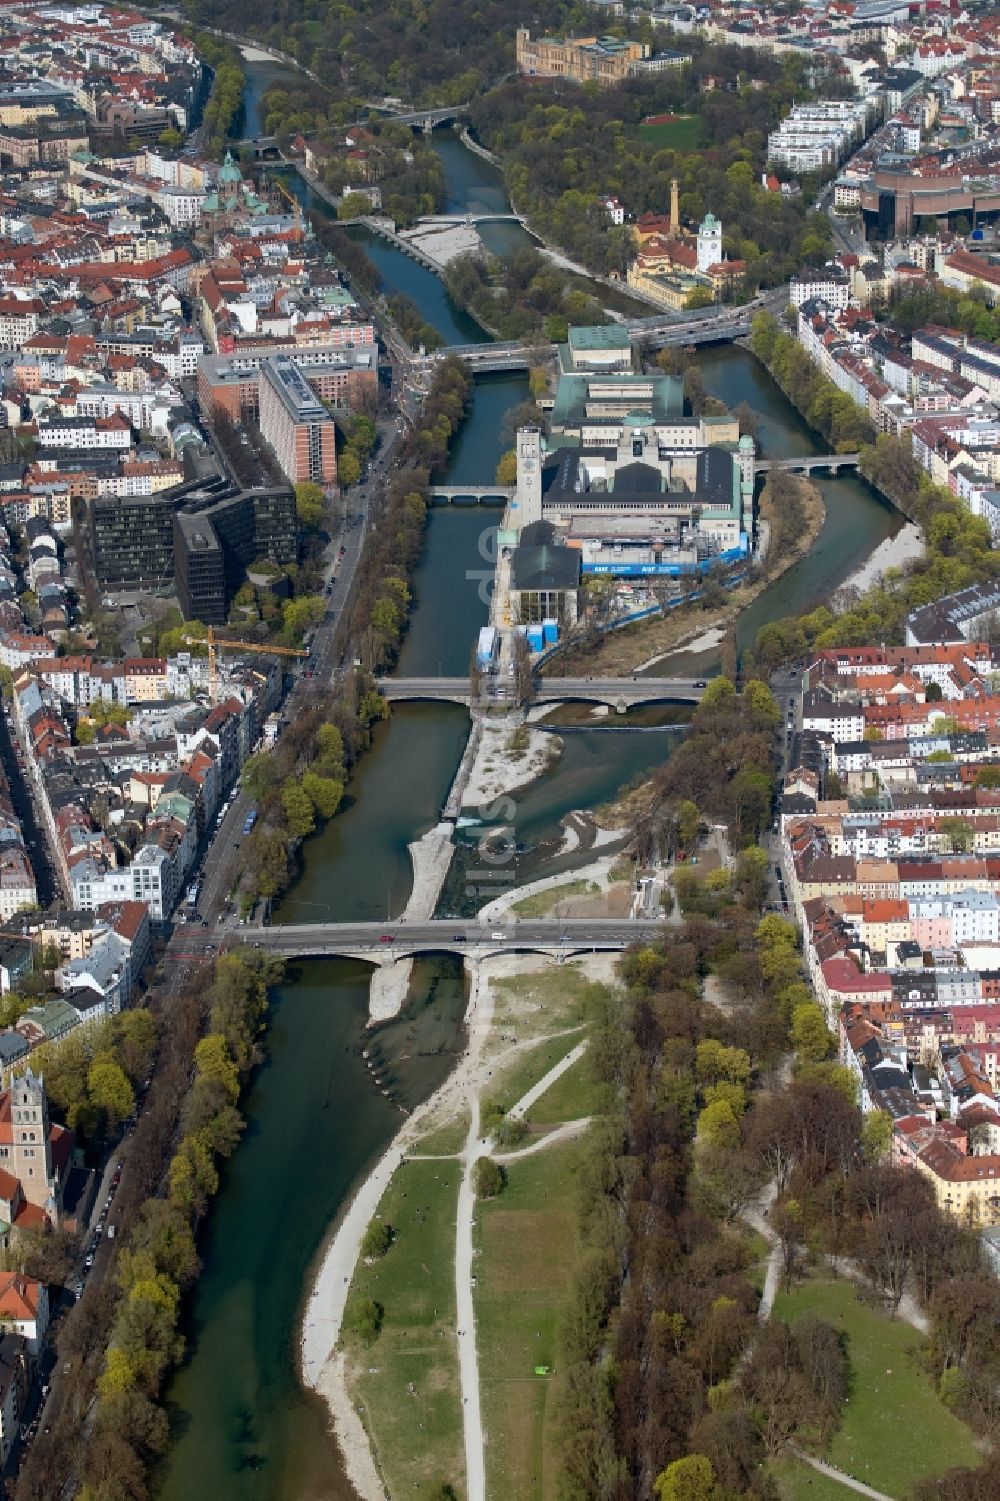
[217, 644]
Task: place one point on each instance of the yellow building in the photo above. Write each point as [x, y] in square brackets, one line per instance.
[585, 59]
[966, 1187]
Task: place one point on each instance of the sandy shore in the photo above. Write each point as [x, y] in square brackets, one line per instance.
[443, 243]
[498, 770]
[257, 54]
[905, 547]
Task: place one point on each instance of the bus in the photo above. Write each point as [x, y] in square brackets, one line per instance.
[193, 893]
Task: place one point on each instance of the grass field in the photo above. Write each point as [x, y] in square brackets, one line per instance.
[683, 134]
[895, 1430]
[528, 1247]
[540, 1001]
[797, 1482]
[575, 1094]
[507, 1085]
[407, 1380]
[544, 902]
[446, 1138]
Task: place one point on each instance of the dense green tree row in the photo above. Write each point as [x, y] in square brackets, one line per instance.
[301, 781]
[160, 1261]
[222, 108]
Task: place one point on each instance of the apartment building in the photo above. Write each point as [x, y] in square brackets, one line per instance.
[296, 424]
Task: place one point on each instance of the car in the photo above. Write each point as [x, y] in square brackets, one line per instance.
[388, 938]
[458, 938]
[701, 683]
[498, 937]
[88, 1262]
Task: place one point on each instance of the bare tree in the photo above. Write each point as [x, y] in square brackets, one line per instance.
[523, 678]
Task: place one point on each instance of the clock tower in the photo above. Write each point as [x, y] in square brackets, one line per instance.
[528, 495]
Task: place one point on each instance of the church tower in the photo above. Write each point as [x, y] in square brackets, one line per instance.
[528, 496]
[31, 1152]
[709, 243]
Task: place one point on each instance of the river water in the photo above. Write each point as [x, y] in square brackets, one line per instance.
[243, 1430]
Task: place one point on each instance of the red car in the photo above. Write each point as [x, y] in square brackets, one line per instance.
[387, 938]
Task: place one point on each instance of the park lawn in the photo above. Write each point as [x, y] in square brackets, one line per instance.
[683, 134]
[446, 1138]
[406, 1382]
[528, 1248]
[531, 1063]
[574, 1095]
[896, 1430]
[544, 902]
[797, 1482]
[541, 1001]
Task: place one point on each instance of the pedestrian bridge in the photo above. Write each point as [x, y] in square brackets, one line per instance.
[431, 221]
[381, 944]
[619, 694]
[834, 462]
[486, 495]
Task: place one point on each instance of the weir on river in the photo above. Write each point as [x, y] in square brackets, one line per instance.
[243, 1430]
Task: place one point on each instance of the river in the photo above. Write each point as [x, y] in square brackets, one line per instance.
[242, 1428]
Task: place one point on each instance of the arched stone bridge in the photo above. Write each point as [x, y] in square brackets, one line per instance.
[617, 693]
[381, 944]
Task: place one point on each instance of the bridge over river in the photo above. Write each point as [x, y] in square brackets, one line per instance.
[617, 693]
[386, 943]
[832, 462]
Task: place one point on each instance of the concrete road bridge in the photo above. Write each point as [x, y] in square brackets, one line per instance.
[833, 462]
[259, 145]
[655, 333]
[617, 693]
[428, 118]
[386, 943]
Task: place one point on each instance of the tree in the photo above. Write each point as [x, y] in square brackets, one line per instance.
[324, 793]
[538, 381]
[298, 810]
[959, 834]
[260, 774]
[348, 468]
[299, 614]
[523, 675]
[507, 468]
[761, 700]
[377, 1240]
[368, 1318]
[688, 1479]
[487, 1178]
[717, 691]
[354, 206]
[876, 1136]
[310, 505]
[719, 1126]
[214, 1062]
[688, 821]
[110, 1090]
[811, 1038]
